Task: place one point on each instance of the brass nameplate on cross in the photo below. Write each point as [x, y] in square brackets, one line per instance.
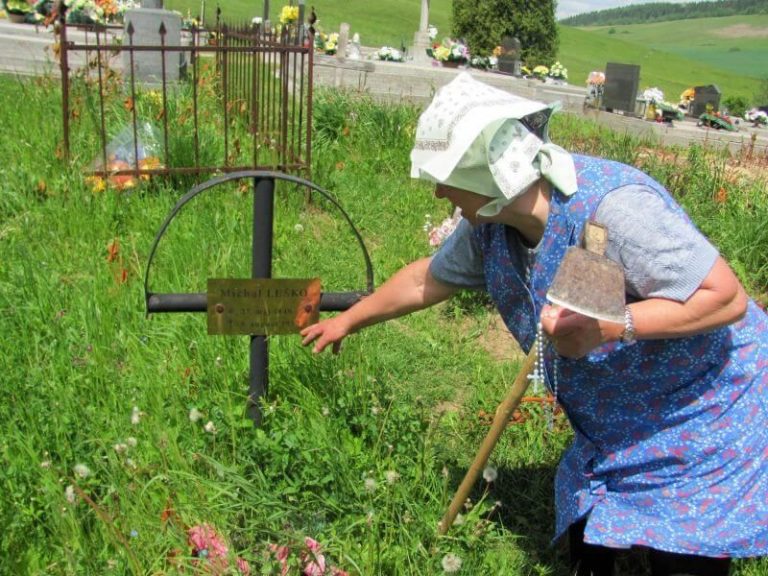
[262, 307]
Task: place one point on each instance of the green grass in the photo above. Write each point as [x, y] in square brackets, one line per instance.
[79, 357]
[733, 44]
[673, 55]
[390, 23]
[584, 51]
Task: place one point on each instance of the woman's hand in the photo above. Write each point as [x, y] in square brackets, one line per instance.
[574, 335]
[331, 331]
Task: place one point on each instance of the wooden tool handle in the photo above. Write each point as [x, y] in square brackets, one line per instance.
[500, 420]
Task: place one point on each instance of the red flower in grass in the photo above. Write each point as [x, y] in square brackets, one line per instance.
[209, 546]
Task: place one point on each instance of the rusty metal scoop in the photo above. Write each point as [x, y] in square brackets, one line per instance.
[587, 281]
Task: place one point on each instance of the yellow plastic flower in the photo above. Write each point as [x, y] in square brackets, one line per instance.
[289, 14]
[442, 53]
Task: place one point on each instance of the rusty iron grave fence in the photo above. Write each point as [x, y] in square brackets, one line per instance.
[231, 99]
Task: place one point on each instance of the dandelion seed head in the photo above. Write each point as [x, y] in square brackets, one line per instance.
[81, 470]
[370, 485]
[136, 415]
[120, 447]
[131, 441]
[210, 427]
[391, 476]
[69, 494]
[490, 474]
[195, 415]
[298, 228]
[451, 563]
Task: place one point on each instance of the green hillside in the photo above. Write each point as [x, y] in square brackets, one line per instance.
[734, 43]
[386, 22]
[673, 55]
[582, 51]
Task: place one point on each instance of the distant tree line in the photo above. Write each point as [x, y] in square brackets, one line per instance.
[665, 11]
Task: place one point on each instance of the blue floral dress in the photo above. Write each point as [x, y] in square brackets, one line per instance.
[671, 436]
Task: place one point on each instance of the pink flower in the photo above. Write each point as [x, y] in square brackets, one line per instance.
[243, 567]
[206, 542]
[314, 561]
[281, 555]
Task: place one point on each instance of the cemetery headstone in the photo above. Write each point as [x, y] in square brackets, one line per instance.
[620, 89]
[705, 97]
[509, 61]
[152, 4]
[148, 64]
[341, 48]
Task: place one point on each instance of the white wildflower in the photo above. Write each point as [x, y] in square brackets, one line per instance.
[45, 464]
[136, 415]
[490, 474]
[391, 476]
[195, 415]
[210, 427]
[81, 470]
[298, 228]
[325, 411]
[120, 447]
[451, 563]
[370, 485]
[131, 441]
[69, 494]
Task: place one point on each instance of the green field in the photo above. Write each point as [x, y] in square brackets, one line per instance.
[387, 23]
[673, 56]
[735, 44]
[583, 51]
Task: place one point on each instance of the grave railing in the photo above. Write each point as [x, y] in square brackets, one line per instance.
[240, 99]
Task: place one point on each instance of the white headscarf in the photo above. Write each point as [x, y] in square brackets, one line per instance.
[471, 137]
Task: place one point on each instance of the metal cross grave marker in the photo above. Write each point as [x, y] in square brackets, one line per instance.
[259, 306]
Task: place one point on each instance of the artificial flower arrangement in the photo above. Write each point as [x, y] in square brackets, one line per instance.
[596, 78]
[289, 15]
[653, 95]
[330, 43]
[432, 31]
[687, 96]
[484, 62]
[122, 154]
[21, 7]
[540, 71]
[756, 116]
[658, 108]
[389, 54]
[97, 11]
[558, 71]
[449, 51]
